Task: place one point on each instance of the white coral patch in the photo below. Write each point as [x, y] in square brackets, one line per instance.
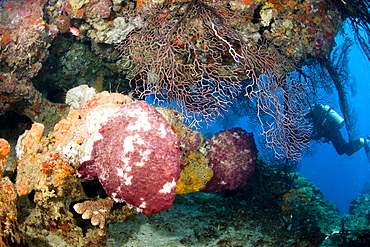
[118, 200]
[145, 155]
[142, 122]
[93, 122]
[120, 172]
[19, 147]
[167, 187]
[130, 142]
[71, 149]
[126, 161]
[143, 204]
[139, 164]
[123, 173]
[127, 179]
[79, 95]
[162, 130]
[139, 140]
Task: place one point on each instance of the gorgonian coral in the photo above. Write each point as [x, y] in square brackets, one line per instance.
[188, 54]
[199, 55]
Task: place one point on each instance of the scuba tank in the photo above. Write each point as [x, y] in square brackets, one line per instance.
[328, 115]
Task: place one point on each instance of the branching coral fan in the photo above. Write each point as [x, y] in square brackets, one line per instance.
[193, 57]
[196, 55]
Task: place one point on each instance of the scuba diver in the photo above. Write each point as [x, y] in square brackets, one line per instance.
[327, 124]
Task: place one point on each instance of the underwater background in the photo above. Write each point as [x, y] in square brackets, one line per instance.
[183, 122]
[342, 178]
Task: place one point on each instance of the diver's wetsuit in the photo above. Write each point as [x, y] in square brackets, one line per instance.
[340, 145]
[327, 125]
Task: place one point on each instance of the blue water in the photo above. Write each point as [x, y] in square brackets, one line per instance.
[341, 178]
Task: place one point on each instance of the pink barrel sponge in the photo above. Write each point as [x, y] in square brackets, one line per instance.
[232, 155]
[137, 160]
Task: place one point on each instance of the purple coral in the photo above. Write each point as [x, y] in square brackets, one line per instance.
[232, 155]
[137, 160]
[100, 8]
[191, 140]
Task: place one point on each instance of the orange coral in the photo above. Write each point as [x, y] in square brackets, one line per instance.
[4, 151]
[62, 22]
[8, 208]
[28, 173]
[39, 170]
[57, 169]
[30, 139]
[105, 98]
[139, 4]
[8, 195]
[64, 126]
[90, 104]
[9, 230]
[80, 12]
[5, 39]
[246, 2]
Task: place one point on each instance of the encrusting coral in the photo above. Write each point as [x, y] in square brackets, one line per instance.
[4, 151]
[195, 172]
[9, 229]
[47, 169]
[29, 174]
[140, 155]
[147, 165]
